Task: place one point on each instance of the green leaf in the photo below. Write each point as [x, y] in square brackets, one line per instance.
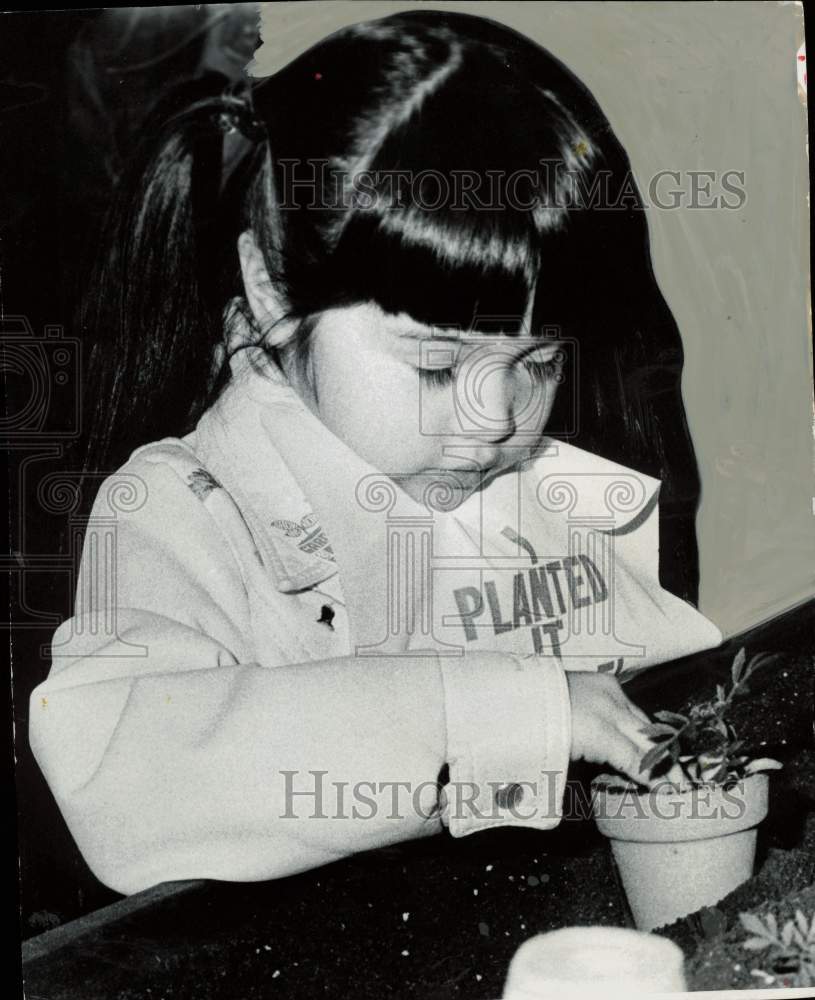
[756, 944]
[801, 922]
[654, 756]
[756, 663]
[772, 924]
[657, 731]
[672, 718]
[762, 764]
[787, 932]
[738, 666]
[720, 692]
[755, 925]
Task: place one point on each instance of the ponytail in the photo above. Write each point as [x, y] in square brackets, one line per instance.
[154, 309]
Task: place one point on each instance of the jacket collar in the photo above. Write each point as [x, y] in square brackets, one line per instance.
[234, 443]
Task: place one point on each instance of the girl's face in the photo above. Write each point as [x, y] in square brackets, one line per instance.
[425, 404]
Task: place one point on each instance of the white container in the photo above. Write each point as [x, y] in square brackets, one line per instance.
[599, 961]
[679, 851]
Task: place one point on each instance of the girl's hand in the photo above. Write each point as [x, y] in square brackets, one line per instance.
[606, 724]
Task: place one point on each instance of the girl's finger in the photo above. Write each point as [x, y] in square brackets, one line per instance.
[633, 711]
[640, 714]
[621, 698]
[675, 775]
[625, 752]
[629, 728]
[643, 717]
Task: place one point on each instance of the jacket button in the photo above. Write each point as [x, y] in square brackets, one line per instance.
[508, 796]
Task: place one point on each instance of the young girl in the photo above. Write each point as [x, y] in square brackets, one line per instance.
[357, 596]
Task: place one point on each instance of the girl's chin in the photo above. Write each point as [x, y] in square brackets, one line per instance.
[445, 489]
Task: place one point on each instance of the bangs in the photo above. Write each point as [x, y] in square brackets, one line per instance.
[458, 219]
[440, 269]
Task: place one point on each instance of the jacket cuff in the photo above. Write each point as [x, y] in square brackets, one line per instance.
[508, 742]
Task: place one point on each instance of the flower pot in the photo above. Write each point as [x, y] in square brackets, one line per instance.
[678, 851]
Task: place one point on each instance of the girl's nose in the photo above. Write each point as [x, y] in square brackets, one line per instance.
[485, 399]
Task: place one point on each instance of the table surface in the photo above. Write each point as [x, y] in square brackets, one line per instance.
[435, 918]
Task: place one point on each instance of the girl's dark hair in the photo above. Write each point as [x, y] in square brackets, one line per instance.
[439, 165]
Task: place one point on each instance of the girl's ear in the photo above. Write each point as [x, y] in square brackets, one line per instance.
[265, 301]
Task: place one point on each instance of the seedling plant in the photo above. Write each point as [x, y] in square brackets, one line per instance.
[703, 743]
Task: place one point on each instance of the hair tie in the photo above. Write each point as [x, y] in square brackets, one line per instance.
[238, 116]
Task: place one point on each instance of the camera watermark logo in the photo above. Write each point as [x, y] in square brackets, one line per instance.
[42, 413]
[41, 377]
[502, 386]
[94, 544]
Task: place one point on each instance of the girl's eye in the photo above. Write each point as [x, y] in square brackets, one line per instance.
[543, 369]
[437, 377]
[540, 370]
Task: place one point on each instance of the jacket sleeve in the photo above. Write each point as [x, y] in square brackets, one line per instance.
[174, 754]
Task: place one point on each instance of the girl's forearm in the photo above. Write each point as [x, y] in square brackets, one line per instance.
[242, 772]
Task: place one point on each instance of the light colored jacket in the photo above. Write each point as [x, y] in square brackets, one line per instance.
[226, 704]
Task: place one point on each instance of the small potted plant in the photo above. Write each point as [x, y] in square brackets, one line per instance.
[689, 839]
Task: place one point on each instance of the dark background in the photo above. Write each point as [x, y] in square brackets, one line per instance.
[75, 86]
